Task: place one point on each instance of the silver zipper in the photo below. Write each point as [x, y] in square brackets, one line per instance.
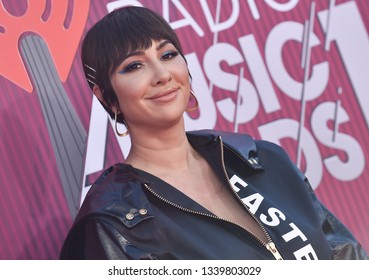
[273, 249]
[270, 246]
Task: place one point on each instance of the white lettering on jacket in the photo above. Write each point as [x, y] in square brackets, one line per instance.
[273, 218]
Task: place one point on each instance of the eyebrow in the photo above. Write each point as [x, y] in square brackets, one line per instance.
[141, 52]
[163, 44]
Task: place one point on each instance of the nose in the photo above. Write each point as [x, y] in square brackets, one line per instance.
[161, 74]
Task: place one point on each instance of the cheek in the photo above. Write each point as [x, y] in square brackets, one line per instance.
[125, 89]
[182, 74]
[129, 92]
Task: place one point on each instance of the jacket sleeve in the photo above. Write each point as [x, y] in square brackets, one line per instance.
[343, 244]
[94, 239]
[100, 238]
[102, 241]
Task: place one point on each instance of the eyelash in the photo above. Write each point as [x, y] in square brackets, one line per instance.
[172, 54]
[130, 67]
[136, 65]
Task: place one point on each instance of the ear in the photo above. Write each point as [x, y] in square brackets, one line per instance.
[99, 95]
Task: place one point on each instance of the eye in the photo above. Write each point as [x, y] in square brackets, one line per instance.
[131, 67]
[169, 55]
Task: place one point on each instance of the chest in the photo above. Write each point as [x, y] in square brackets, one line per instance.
[217, 197]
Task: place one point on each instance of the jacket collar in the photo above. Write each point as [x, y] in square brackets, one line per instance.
[108, 190]
[219, 149]
[242, 145]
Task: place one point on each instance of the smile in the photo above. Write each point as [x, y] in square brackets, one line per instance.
[166, 96]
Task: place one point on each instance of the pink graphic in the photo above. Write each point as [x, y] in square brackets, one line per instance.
[61, 37]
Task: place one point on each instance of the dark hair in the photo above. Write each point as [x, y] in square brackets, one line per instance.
[118, 33]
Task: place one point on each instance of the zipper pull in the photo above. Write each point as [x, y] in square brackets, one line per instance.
[273, 249]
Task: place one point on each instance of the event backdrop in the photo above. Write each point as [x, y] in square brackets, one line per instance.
[294, 72]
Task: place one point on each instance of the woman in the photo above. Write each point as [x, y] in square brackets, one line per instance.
[178, 195]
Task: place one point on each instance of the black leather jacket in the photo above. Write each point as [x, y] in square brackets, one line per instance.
[130, 214]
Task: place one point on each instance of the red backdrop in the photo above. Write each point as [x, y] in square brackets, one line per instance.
[293, 72]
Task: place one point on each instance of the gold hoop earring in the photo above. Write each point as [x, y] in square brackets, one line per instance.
[196, 105]
[116, 126]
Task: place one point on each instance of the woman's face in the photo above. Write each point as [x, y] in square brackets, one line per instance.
[152, 86]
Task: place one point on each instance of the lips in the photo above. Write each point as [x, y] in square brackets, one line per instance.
[165, 96]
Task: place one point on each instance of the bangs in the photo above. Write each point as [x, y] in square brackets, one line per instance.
[131, 31]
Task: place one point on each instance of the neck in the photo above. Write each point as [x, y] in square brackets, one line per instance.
[162, 151]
